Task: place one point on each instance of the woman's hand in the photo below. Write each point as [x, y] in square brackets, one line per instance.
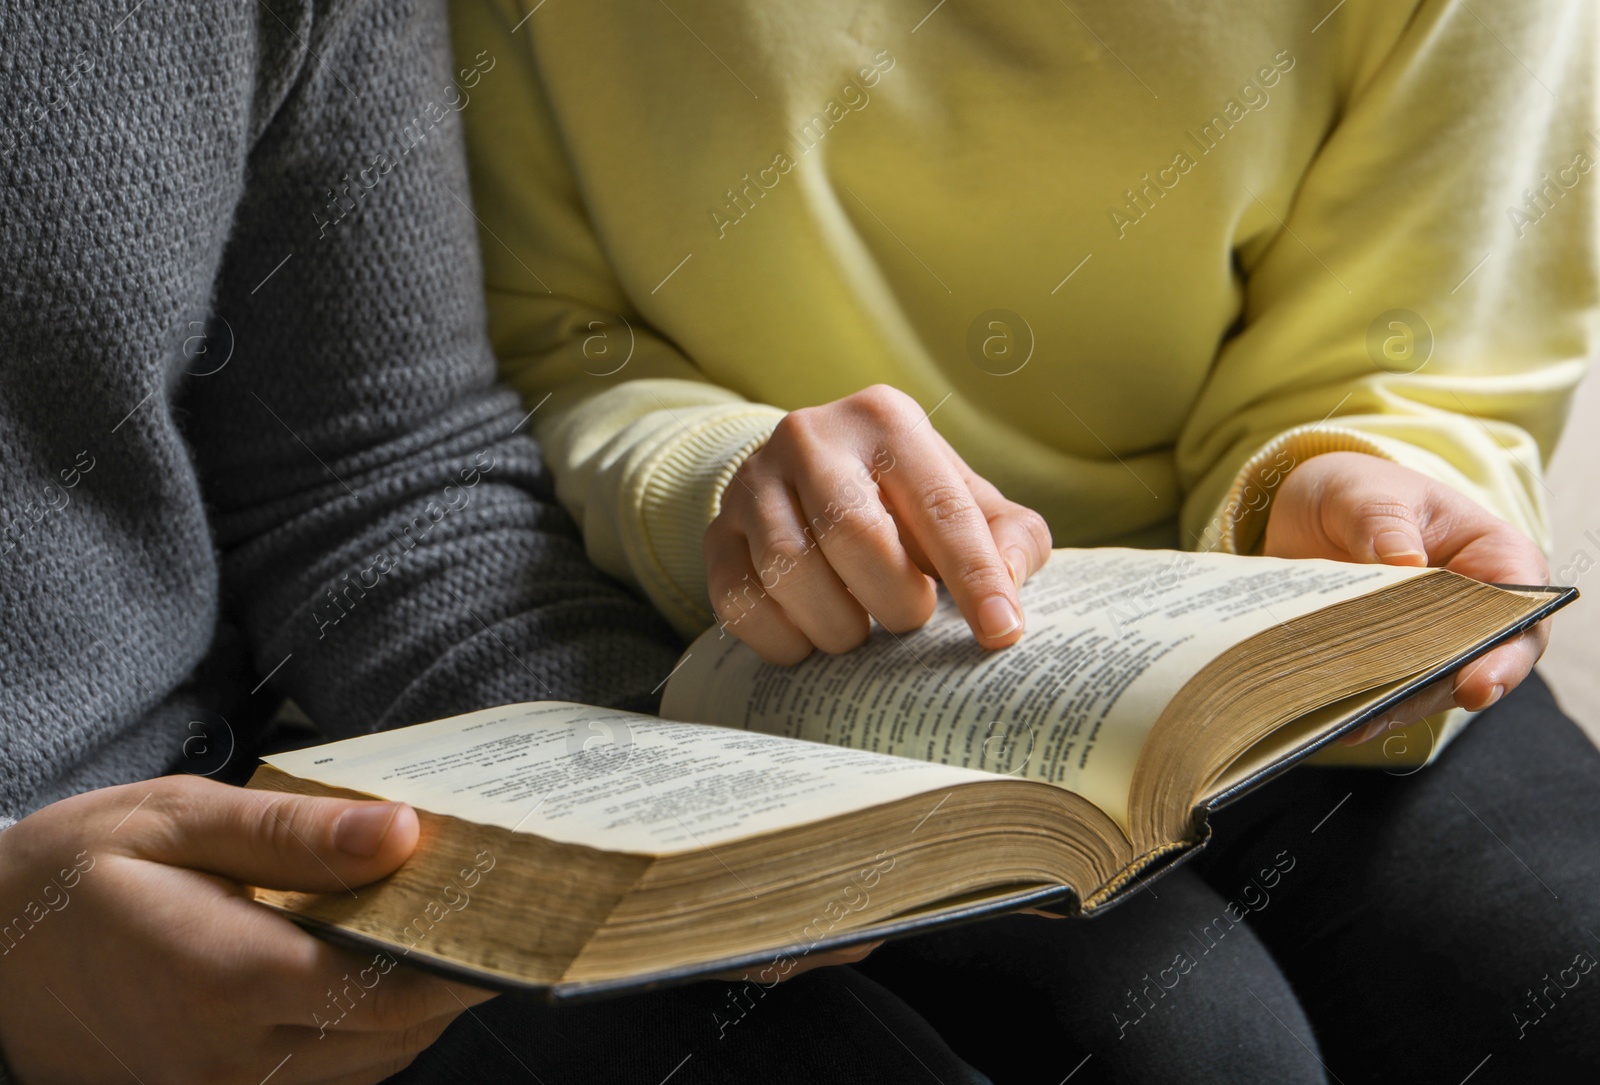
[1350, 506]
[847, 511]
[133, 948]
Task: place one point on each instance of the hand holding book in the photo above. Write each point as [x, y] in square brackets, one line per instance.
[145, 888]
[1349, 506]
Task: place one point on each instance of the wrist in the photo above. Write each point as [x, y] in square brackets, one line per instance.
[678, 493]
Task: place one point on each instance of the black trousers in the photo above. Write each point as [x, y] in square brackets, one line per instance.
[1346, 926]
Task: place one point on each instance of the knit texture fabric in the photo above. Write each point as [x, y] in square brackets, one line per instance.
[247, 415]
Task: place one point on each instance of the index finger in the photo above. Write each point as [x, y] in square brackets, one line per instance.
[940, 511]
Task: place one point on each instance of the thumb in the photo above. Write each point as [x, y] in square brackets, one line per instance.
[1374, 524]
[274, 840]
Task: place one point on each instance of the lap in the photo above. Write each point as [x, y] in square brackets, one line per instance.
[1430, 916]
[1163, 987]
[831, 1025]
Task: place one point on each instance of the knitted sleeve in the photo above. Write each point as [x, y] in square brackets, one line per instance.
[389, 537]
[1431, 294]
[641, 443]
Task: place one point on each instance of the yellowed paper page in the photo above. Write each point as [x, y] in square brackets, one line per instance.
[618, 781]
[1112, 636]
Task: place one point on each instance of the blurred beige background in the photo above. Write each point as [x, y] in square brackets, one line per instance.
[1572, 664]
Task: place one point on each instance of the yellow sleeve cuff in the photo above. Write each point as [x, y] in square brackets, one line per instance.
[1240, 521]
[675, 490]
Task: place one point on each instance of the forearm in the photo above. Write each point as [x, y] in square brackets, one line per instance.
[1415, 313]
[644, 467]
[639, 441]
[389, 539]
[446, 581]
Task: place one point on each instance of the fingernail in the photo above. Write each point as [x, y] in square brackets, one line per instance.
[1494, 695]
[997, 618]
[1398, 548]
[360, 830]
[1016, 565]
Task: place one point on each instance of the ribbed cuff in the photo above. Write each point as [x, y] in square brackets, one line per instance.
[1241, 518]
[680, 492]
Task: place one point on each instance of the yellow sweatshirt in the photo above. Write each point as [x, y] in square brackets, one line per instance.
[1133, 258]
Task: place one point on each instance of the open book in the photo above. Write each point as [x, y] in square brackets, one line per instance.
[915, 782]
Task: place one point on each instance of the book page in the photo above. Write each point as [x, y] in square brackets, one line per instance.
[618, 781]
[1112, 635]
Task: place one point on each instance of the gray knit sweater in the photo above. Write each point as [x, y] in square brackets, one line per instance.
[248, 430]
